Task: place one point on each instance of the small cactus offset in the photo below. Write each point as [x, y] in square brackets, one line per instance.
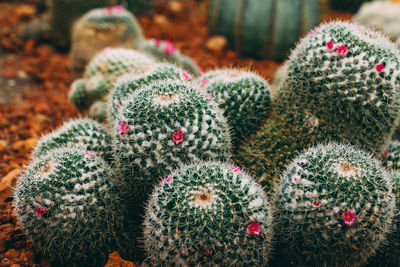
[244, 96]
[162, 127]
[101, 73]
[334, 207]
[166, 51]
[100, 28]
[391, 155]
[130, 83]
[347, 78]
[98, 110]
[208, 214]
[67, 204]
[78, 132]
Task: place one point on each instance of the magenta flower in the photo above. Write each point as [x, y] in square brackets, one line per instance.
[169, 47]
[254, 228]
[314, 32]
[109, 10]
[234, 168]
[380, 67]
[106, 49]
[119, 8]
[90, 153]
[208, 252]
[342, 50]
[203, 82]
[317, 203]
[202, 70]
[123, 127]
[157, 42]
[329, 45]
[186, 75]
[166, 180]
[40, 211]
[385, 153]
[116, 105]
[22, 208]
[349, 217]
[177, 137]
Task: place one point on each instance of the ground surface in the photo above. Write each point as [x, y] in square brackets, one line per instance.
[34, 85]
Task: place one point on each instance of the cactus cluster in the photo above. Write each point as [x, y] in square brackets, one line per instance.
[208, 214]
[100, 28]
[67, 203]
[334, 207]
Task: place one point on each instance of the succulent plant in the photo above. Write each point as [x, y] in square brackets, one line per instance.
[244, 96]
[391, 155]
[98, 111]
[346, 78]
[100, 28]
[130, 83]
[208, 214]
[334, 207]
[78, 132]
[166, 51]
[245, 24]
[66, 202]
[101, 73]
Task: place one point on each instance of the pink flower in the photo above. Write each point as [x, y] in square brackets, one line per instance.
[316, 203]
[109, 10]
[169, 47]
[119, 8]
[166, 180]
[254, 228]
[40, 211]
[349, 217]
[90, 153]
[208, 252]
[177, 137]
[329, 45]
[123, 127]
[234, 168]
[386, 153]
[342, 50]
[116, 105]
[203, 82]
[157, 42]
[296, 179]
[106, 49]
[380, 67]
[22, 208]
[186, 75]
[314, 32]
[207, 95]
[202, 70]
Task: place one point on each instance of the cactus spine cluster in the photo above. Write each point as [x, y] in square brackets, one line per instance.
[334, 207]
[67, 203]
[103, 27]
[244, 97]
[208, 214]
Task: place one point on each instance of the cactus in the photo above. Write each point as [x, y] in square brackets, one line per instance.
[208, 214]
[347, 78]
[381, 15]
[347, 5]
[334, 207]
[162, 127]
[266, 154]
[67, 204]
[388, 255]
[128, 84]
[101, 73]
[78, 132]
[244, 97]
[98, 111]
[391, 155]
[100, 28]
[263, 28]
[166, 51]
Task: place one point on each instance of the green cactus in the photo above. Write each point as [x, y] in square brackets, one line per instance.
[347, 5]
[101, 73]
[78, 132]
[334, 207]
[67, 204]
[162, 127]
[208, 214]
[346, 77]
[100, 28]
[263, 28]
[127, 85]
[388, 255]
[98, 111]
[244, 96]
[266, 154]
[165, 51]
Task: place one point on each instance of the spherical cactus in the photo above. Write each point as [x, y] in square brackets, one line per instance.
[79, 132]
[67, 204]
[334, 207]
[166, 51]
[381, 15]
[263, 28]
[100, 28]
[347, 78]
[101, 73]
[267, 153]
[208, 214]
[162, 127]
[244, 96]
[98, 111]
[130, 83]
[388, 255]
